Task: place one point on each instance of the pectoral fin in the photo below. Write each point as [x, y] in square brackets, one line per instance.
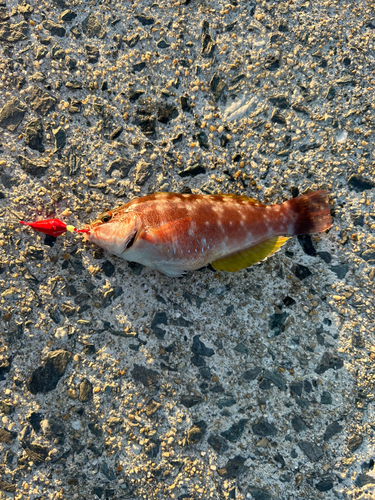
[248, 257]
[166, 233]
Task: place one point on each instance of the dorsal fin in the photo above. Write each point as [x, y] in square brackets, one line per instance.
[247, 258]
[244, 198]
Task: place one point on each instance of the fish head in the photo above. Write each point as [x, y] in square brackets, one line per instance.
[114, 231]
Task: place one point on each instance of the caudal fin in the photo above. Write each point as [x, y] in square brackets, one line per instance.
[313, 213]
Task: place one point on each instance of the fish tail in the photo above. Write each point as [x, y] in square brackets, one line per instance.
[312, 212]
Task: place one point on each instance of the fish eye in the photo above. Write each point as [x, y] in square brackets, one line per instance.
[106, 217]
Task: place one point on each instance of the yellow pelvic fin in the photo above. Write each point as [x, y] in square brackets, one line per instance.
[248, 257]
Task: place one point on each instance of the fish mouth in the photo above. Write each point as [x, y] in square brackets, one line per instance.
[87, 234]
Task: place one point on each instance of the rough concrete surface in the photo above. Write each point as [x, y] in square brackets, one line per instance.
[118, 382]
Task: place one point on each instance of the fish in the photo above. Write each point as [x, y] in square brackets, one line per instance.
[175, 233]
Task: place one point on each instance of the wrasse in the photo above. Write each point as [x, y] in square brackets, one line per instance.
[175, 233]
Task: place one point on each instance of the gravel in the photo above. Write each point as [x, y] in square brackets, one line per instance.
[118, 382]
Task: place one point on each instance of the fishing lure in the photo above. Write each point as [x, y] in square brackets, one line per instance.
[52, 227]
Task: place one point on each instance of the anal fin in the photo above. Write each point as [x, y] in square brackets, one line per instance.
[247, 258]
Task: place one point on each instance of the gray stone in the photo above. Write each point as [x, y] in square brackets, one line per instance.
[6, 436]
[110, 295]
[251, 374]
[276, 378]
[93, 26]
[208, 44]
[235, 431]
[40, 52]
[145, 120]
[332, 430]
[162, 44]
[166, 113]
[309, 146]
[143, 173]
[71, 63]
[57, 53]
[226, 403]
[41, 101]
[7, 487]
[326, 398]
[325, 484]
[192, 171]
[311, 450]
[300, 108]
[116, 132]
[233, 468]
[259, 493]
[326, 256]
[109, 474]
[307, 245]
[302, 272]
[144, 375]
[264, 428]
[132, 41]
[369, 256]
[240, 347]
[108, 268]
[298, 424]
[14, 32]
[360, 183]
[139, 66]
[59, 135]
[92, 53]
[341, 270]
[153, 448]
[199, 348]
[191, 400]
[218, 443]
[185, 105]
[331, 93]
[160, 318]
[217, 86]
[363, 479]
[31, 168]
[279, 100]
[202, 139]
[196, 432]
[272, 63]
[4, 14]
[34, 135]
[277, 117]
[36, 453]
[145, 20]
[46, 377]
[12, 114]
[358, 219]
[75, 106]
[54, 28]
[276, 321]
[354, 442]
[85, 391]
[68, 15]
[329, 361]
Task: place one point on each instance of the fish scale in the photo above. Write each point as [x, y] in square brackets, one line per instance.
[175, 233]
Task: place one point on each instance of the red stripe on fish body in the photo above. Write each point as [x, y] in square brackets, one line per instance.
[178, 232]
